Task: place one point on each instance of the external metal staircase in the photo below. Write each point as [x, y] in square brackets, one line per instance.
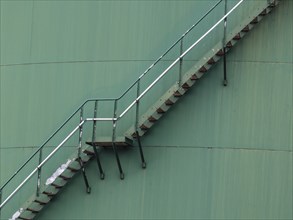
[48, 182]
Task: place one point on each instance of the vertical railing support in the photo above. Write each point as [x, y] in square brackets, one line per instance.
[180, 63]
[80, 131]
[225, 81]
[39, 173]
[88, 188]
[143, 163]
[102, 174]
[114, 140]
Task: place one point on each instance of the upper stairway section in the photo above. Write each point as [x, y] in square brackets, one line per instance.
[141, 105]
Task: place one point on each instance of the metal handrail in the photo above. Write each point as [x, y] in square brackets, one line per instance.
[111, 99]
[115, 118]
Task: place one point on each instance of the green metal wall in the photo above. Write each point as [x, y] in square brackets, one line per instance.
[56, 54]
[221, 152]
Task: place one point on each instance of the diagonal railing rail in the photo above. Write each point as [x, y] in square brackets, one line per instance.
[116, 116]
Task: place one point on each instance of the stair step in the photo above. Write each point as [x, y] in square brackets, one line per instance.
[33, 210]
[264, 12]
[237, 37]
[229, 44]
[57, 186]
[152, 119]
[177, 94]
[211, 61]
[160, 111]
[246, 29]
[203, 69]
[50, 194]
[72, 169]
[169, 102]
[143, 127]
[220, 53]
[89, 152]
[133, 135]
[64, 177]
[185, 86]
[273, 4]
[254, 21]
[193, 77]
[83, 159]
[41, 202]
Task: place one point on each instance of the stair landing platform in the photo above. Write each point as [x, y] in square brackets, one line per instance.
[107, 142]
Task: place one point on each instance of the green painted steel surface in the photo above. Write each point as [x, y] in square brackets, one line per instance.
[219, 153]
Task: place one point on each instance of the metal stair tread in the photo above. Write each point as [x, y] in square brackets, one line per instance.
[39, 201]
[33, 210]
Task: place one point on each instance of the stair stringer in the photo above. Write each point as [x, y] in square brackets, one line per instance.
[156, 111]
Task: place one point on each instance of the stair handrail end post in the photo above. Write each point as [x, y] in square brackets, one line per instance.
[102, 174]
[137, 105]
[115, 120]
[180, 62]
[39, 173]
[80, 131]
[95, 122]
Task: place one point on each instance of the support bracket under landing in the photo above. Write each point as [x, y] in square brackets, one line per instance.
[88, 188]
[102, 174]
[225, 81]
[118, 160]
[143, 163]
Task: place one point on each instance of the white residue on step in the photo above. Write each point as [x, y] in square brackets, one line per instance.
[60, 170]
[16, 214]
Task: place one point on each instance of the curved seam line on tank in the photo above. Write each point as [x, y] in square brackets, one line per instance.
[172, 146]
[221, 148]
[130, 60]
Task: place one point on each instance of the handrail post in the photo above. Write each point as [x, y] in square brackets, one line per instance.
[114, 139]
[88, 188]
[80, 131]
[95, 122]
[137, 105]
[180, 62]
[102, 174]
[39, 172]
[137, 125]
[225, 81]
